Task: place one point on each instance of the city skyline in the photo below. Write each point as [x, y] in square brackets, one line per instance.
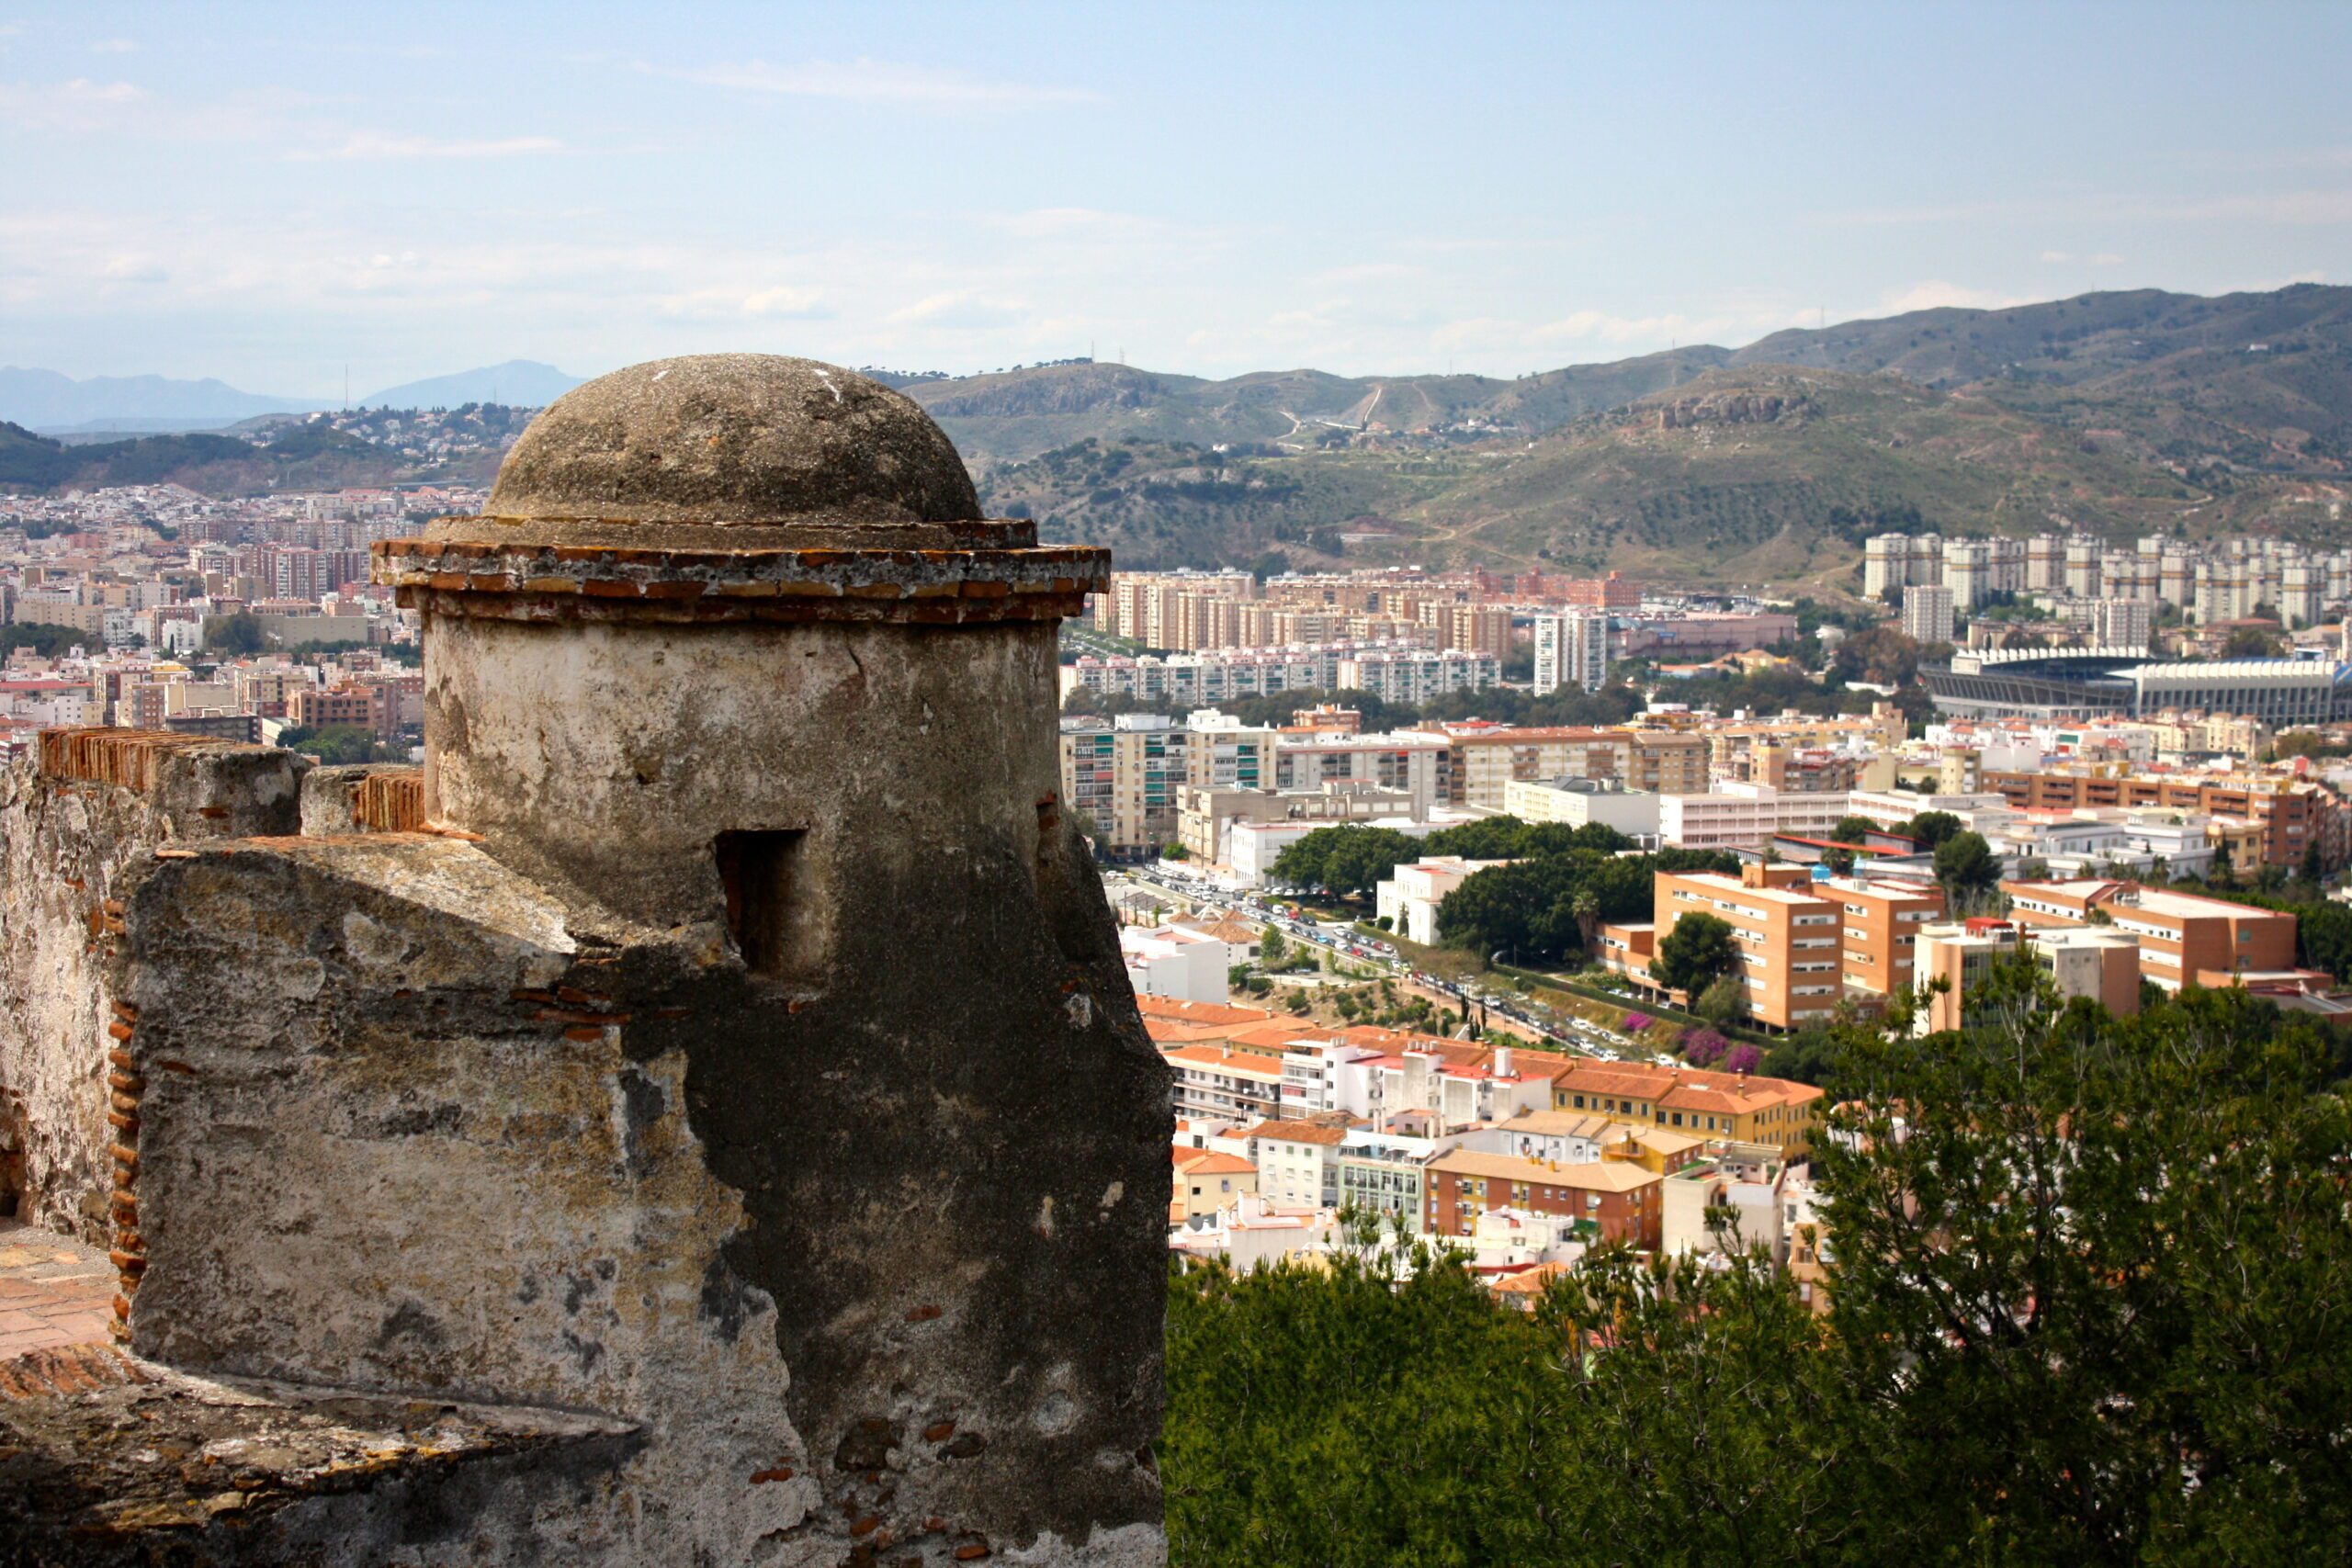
[1210, 193]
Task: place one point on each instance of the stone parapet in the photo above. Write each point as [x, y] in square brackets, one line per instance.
[541, 581]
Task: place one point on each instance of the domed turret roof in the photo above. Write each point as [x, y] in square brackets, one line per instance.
[756, 440]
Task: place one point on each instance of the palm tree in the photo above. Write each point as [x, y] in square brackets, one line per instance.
[1586, 908]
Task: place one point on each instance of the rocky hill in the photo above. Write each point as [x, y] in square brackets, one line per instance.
[1761, 474]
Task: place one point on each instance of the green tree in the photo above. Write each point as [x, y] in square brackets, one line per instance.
[2251, 642]
[1174, 851]
[1693, 953]
[2082, 1275]
[1723, 1002]
[44, 639]
[2087, 1247]
[235, 634]
[1966, 866]
[1348, 860]
[1853, 829]
[1932, 828]
[336, 744]
[1585, 906]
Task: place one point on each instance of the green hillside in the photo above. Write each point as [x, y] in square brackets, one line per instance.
[1776, 475]
[1758, 475]
[301, 457]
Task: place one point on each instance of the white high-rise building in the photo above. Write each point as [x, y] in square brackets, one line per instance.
[1571, 649]
[2122, 622]
[1968, 572]
[1926, 613]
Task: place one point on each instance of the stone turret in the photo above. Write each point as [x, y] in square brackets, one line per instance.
[717, 1088]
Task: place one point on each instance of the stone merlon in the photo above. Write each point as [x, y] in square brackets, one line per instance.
[701, 1116]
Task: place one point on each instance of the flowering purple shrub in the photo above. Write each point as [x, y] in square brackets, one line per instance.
[1636, 1021]
[1742, 1058]
[1703, 1047]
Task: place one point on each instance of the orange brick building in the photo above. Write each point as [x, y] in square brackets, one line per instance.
[2182, 936]
[1619, 1197]
[1803, 944]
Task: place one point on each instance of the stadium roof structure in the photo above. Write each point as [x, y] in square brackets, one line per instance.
[2059, 682]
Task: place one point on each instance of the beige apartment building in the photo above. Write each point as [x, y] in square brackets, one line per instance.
[1473, 629]
[1884, 729]
[1805, 945]
[1666, 762]
[1127, 774]
[1479, 759]
[1745, 816]
[2097, 961]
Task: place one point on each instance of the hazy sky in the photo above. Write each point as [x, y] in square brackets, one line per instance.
[266, 193]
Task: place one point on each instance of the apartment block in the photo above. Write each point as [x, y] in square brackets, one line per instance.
[1666, 762]
[1571, 649]
[1471, 628]
[2097, 962]
[1575, 803]
[1410, 898]
[1405, 763]
[1804, 943]
[1926, 613]
[2182, 938]
[1745, 817]
[1124, 775]
[1480, 759]
[1610, 592]
[1617, 1201]
[1221, 1084]
[1417, 675]
[1298, 1163]
[2288, 815]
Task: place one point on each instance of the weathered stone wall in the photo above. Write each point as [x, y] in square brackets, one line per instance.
[73, 817]
[447, 1181]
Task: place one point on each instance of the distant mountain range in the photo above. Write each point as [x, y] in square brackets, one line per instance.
[2119, 412]
[518, 383]
[45, 400]
[146, 405]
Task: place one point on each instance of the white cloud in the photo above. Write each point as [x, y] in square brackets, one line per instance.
[722, 302]
[2057, 256]
[78, 104]
[114, 46]
[962, 309]
[877, 81]
[1367, 271]
[376, 144]
[134, 268]
[1937, 295]
[1068, 222]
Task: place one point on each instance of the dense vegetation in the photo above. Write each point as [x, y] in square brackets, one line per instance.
[2085, 1308]
[48, 640]
[1564, 881]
